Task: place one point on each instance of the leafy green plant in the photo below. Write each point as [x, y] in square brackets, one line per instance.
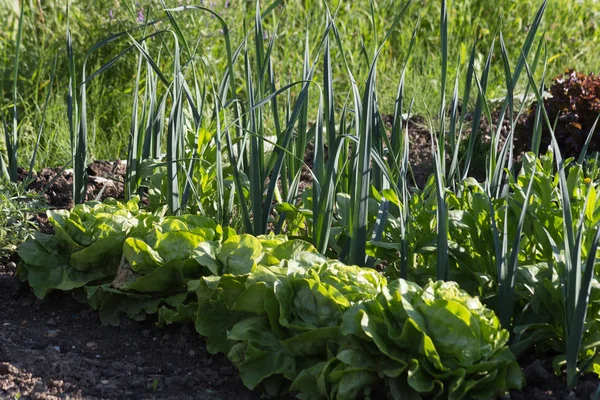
[18, 208]
[86, 247]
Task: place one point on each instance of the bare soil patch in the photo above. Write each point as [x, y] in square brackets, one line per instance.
[58, 349]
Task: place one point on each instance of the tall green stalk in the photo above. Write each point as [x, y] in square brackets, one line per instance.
[12, 135]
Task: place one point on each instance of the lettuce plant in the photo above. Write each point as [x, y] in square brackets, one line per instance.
[86, 247]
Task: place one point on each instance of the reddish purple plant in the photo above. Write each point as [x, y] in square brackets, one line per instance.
[575, 102]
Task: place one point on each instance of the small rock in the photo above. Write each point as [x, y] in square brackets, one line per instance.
[11, 265]
[52, 333]
[56, 383]
[6, 324]
[117, 365]
[51, 322]
[7, 368]
[104, 382]
[192, 353]
[38, 386]
[91, 345]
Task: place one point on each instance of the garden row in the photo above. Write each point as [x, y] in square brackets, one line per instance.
[286, 316]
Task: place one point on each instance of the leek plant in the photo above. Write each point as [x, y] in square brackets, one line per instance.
[576, 277]
[77, 116]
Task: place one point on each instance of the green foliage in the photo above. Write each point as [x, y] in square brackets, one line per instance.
[85, 248]
[220, 129]
[17, 212]
[44, 32]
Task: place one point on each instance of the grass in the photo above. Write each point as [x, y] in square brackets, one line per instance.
[17, 211]
[573, 35]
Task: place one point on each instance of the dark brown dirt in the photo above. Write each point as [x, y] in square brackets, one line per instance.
[57, 349]
[105, 179]
[543, 384]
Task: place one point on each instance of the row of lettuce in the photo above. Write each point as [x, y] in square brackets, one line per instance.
[289, 318]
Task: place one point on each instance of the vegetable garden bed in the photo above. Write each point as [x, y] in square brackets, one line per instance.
[285, 224]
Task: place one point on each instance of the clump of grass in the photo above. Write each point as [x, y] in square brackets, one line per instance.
[18, 208]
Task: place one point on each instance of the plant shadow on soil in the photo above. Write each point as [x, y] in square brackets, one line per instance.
[58, 349]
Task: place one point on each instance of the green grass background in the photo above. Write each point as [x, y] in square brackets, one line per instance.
[571, 29]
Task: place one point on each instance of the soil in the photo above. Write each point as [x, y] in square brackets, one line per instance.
[57, 349]
[543, 384]
[105, 179]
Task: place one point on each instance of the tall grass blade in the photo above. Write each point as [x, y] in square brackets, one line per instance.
[134, 139]
[175, 135]
[497, 160]
[454, 165]
[479, 106]
[537, 123]
[42, 123]
[508, 270]
[256, 156]
[12, 145]
[588, 139]
[77, 115]
[452, 132]
[440, 158]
